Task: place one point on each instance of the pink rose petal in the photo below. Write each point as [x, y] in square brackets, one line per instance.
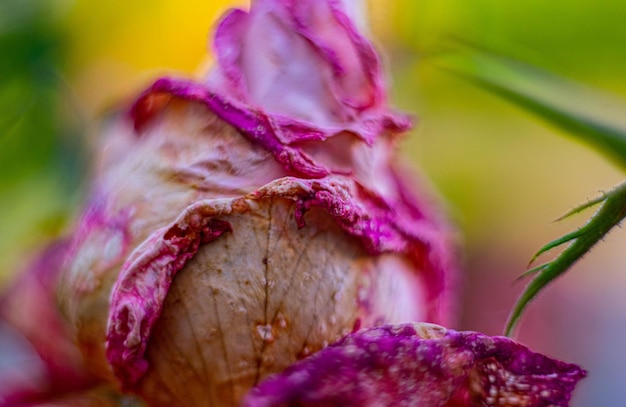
[420, 365]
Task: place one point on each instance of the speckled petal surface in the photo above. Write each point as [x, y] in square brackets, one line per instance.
[140, 290]
[421, 365]
[145, 279]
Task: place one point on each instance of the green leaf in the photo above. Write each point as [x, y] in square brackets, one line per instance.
[591, 115]
[611, 213]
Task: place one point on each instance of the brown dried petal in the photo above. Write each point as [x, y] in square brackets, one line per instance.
[252, 302]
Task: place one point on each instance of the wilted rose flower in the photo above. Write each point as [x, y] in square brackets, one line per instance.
[247, 221]
[243, 222]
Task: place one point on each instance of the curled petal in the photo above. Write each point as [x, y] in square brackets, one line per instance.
[303, 60]
[254, 124]
[289, 72]
[421, 365]
[145, 279]
[138, 295]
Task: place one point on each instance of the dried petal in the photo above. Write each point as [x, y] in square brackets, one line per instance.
[420, 365]
[144, 184]
[244, 314]
[304, 62]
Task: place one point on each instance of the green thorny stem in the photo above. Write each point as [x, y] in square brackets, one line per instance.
[611, 213]
[555, 100]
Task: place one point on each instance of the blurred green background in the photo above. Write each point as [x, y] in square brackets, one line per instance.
[505, 174]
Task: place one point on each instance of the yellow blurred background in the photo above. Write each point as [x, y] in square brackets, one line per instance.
[505, 174]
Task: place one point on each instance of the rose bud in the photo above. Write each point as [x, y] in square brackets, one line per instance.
[245, 222]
